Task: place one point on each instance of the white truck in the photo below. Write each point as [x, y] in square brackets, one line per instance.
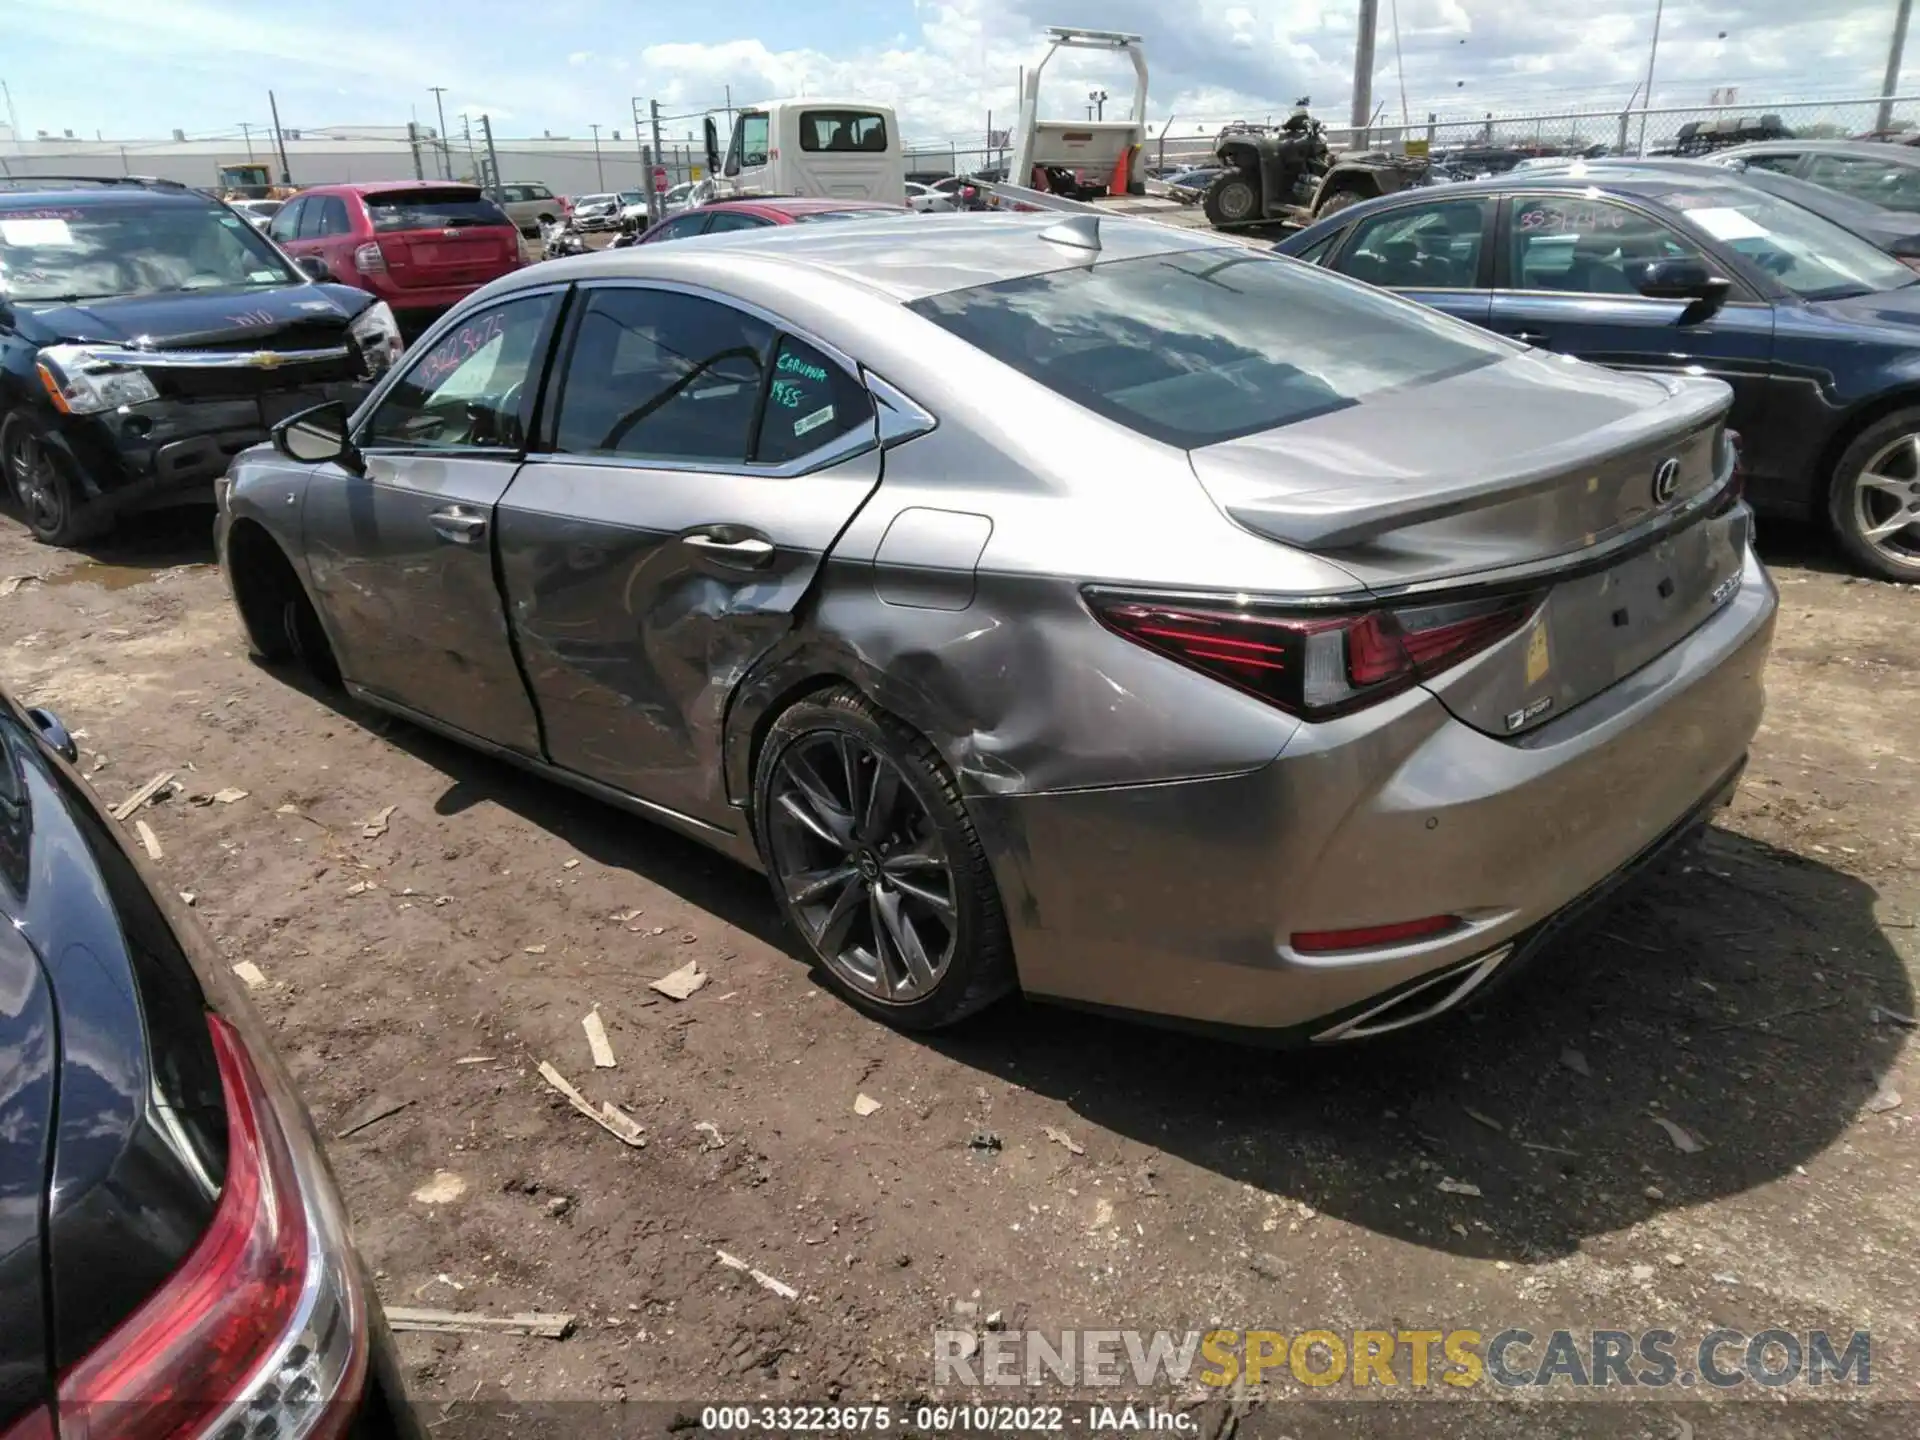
[1100, 156]
[826, 148]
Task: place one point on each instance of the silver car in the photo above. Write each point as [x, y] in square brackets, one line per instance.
[1084, 606]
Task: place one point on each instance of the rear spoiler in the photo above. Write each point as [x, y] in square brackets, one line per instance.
[1340, 519]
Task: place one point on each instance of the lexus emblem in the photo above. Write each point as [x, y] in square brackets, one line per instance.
[1666, 479]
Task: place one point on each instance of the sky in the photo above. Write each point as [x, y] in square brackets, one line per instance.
[133, 70]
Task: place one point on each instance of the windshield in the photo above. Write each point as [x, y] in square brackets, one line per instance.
[1810, 255]
[1209, 345]
[432, 210]
[99, 251]
[808, 217]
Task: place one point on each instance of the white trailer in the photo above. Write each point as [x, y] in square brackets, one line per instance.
[1101, 152]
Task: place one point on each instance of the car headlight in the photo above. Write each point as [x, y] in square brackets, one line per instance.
[377, 334]
[85, 380]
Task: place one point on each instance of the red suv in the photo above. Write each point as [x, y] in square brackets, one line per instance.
[420, 245]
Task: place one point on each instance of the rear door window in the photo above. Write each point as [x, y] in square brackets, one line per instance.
[810, 400]
[333, 216]
[1582, 246]
[311, 215]
[658, 375]
[1195, 347]
[286, 220]
[725, 220]
[1435, 246]
[432, 210]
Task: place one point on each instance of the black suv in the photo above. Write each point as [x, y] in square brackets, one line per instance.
[148, 334]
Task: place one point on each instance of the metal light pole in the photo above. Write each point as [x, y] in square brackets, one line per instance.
[440, 112]
[1892, 85]
[493, 157]
[1653, 50]
[1099, 99]
[1363, 71]
[246, 133]
[279, 140]
[599, 173]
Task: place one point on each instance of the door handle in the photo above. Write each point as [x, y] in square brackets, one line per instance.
[1531, 337]
[462, 527]
[748, 553]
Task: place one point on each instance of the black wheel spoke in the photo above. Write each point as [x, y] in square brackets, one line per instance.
[851, 759]
[801, 808]
[815, 805]
[881, 797]
[813, 885]
[906, 941]
[932, 899]
[833, 930]
[925, 855]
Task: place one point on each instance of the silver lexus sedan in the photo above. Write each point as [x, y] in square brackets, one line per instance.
[1078, 605]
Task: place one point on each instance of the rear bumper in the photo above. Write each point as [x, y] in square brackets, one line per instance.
[1179, 900]
[169, 452]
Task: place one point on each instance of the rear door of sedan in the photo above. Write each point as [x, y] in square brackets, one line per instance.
[1436, 250]
[696, 462]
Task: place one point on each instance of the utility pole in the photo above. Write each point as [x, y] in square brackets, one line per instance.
[279, 140]
[466, 129]
[1363, 72]
[1653, 50]
[246, 133]
[493, 156]
[439, 109]
[653, 191]
[413, 144]
[729, 109]
[1892, 86]
[599, 172]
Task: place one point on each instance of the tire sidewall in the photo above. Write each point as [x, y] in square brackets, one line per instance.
[1216, 212]
[974, 914]
[1845, 482]
[70, 528]
[1335, 203]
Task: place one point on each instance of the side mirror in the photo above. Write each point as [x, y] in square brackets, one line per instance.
[1685, 280]
[55, 734]
[314, 268]
[713, 144]
[315, 436]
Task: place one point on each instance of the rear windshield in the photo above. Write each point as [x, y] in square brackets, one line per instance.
[1204, 346]
[100, 250]
[835, 130]
[807, 217]
[432, 210]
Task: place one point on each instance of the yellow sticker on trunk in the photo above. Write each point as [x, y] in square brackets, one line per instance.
[1538, 660]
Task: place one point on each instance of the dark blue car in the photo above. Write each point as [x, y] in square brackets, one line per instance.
[1817, 331]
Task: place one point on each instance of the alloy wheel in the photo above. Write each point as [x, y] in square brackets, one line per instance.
[1886, 502]
[861, 862]
[35, 483]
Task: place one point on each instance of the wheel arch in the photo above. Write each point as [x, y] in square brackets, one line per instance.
[1852, 425]
[259, 571]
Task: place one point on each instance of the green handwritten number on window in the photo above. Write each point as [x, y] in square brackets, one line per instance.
[786, 393]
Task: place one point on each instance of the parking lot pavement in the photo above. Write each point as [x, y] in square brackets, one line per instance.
[1753, 995]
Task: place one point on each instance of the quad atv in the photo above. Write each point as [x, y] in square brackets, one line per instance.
[1288, 174]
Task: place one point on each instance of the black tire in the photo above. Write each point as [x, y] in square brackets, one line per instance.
[43, 488]
[1876, 482]
[887, 864]
[1336, 202]
[1233, 199]
[281, 624]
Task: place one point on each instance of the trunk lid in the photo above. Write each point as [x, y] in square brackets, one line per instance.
[1596, 490]
[438, 236]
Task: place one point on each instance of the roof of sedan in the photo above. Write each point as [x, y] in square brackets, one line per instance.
[1866, 149]
[798, 204]
[904, 255]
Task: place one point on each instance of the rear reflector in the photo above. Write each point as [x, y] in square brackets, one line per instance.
[1373, 937]
[257, 1324]
[1315, 666]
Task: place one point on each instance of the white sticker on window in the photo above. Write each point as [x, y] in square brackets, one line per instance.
[35, 232]
[813, 421]
[262, 277]
[232, 222]
[1725, 223]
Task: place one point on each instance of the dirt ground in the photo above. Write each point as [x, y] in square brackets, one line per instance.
[1755, 994]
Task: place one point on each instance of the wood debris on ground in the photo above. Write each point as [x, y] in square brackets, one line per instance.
[609, 1117]
[1684, 1142]
[377, 826]
[682, 983]
[148, 839]
[864, 1105]
[456, 1322]
[141, 796]
[760, 1277]
[228, 796]
[1060, 1137]
[380, 1108]
[250, 975]
[597, 1041]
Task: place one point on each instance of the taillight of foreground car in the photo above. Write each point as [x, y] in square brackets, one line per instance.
[1313, 666]
[262, 1331]
[370, 259]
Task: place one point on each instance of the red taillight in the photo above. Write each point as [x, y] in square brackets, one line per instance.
[369, 258]
[1373, 937]
[208, 1338]
[1314, 665]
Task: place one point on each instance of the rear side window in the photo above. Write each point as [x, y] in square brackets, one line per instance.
[812, 216]
[842, 130]
[810, 400]
[1316, 253]
[725, 220]
[658, 375]
[286, 220]
[1435, 246]
[432, 210]
[1198, 347]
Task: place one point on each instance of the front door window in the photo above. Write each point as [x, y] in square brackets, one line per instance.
[469, 390]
